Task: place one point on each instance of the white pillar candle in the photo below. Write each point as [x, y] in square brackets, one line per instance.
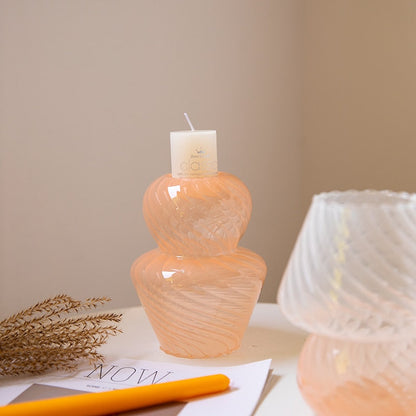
[193, 153]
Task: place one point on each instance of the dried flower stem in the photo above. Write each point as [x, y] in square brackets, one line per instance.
[47, 336]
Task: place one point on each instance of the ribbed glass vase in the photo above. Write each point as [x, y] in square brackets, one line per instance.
[198, 287]
[352, 272]
[351, 280]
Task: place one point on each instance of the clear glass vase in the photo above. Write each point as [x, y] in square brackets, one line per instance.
[351, 281]
[352, 272]
[198, 287]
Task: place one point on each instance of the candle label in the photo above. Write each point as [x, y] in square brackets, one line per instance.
[198, 163]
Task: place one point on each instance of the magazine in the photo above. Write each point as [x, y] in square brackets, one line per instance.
[246, 386]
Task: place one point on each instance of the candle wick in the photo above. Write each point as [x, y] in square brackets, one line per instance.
[189, 121]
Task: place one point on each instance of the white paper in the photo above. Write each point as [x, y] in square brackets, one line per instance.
[247, 382]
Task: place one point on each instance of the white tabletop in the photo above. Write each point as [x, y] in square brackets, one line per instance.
[269, 335]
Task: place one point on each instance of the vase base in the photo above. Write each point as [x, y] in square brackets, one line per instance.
[344, 378]
[199, 307]
[360, 399]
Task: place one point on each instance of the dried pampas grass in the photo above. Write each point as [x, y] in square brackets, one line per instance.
[51, 335]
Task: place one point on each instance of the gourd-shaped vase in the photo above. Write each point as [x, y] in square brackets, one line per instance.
[198, 287]
[351, 281]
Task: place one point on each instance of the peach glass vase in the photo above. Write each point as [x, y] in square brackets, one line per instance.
[350, 378]
[198, 287]
[351, 281]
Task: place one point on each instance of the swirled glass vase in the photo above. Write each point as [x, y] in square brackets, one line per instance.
[198, 287]
[352, 272]
[351, 280]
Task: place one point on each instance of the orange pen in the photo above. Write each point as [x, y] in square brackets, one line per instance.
[116, 401]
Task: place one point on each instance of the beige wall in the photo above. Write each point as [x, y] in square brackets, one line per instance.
[89, 91]
[360, 96]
